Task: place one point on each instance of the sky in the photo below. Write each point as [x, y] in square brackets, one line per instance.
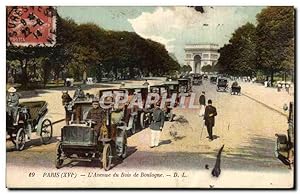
[172, 26]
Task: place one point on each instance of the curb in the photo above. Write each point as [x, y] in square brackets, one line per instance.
[265, 105]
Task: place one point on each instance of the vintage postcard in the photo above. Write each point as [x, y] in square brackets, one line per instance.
[150, 97]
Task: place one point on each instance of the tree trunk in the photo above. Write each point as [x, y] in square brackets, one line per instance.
[24, 73]
[272, 77]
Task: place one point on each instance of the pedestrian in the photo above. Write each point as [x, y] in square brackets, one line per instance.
[202, 104]
[209, 118]
[157, 125]
[12, 104]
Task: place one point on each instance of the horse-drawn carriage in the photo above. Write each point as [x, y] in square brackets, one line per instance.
[222, 84]
[80, 141]
[235, 89]
[31, 117]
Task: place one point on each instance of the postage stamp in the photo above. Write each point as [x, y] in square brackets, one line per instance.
[31, 25]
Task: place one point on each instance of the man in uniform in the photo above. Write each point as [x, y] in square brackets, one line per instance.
[157, 125]
[97, 114]
[79, 94]
[12, 102]
[202, 104]
[209, 117]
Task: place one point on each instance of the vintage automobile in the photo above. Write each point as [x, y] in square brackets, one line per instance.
[196, 78]
[79, 140]
[172, 88]
[284, 147]
[136, 116]
[158, 88]
[235, 88]
[213, 79]
[222, 84]
[185, 86]
[169, 88]
[31, 118]
[205, 77]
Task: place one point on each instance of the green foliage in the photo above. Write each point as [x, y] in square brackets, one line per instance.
[267, 48]
[239, 56]
[207, 68]
[275, 39]
[185, 69]
[87, 49]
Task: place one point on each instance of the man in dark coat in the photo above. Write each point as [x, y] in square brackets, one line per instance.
[97, 114]
[209, 118]
[12, 104]
[202, 104]
[79, 94]
[157, 124]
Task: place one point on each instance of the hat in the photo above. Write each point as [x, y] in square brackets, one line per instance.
[95, 100]
[12, 90]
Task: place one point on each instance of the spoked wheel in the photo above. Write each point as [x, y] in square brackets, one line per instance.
[124, 151]
[106, 157]
[20, 139]
[142, 120]
[46, 131]
[59, 161]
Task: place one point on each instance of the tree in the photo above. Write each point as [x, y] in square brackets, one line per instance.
[185, 69]
[243, 42]
[207, 68]
[275, 40]
[89, 50]
[224, 64]
[239, 56]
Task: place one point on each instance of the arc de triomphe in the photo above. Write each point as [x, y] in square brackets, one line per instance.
[199, 55]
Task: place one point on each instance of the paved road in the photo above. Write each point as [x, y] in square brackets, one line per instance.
[246, 128]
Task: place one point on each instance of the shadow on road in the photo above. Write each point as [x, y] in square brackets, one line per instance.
[165, 142]
[97, 162]
[33, 143]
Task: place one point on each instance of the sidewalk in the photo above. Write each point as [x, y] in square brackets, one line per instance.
[269, 97]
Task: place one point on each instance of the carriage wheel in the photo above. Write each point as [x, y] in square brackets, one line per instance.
[106, 156]
[142, 120]
[46, 131]
[124, 151]
[20, 139]
[58, 161]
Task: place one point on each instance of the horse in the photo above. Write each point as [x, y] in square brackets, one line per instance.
[66, 99]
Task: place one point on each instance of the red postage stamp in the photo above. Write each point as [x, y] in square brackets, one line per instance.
[31, 25]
